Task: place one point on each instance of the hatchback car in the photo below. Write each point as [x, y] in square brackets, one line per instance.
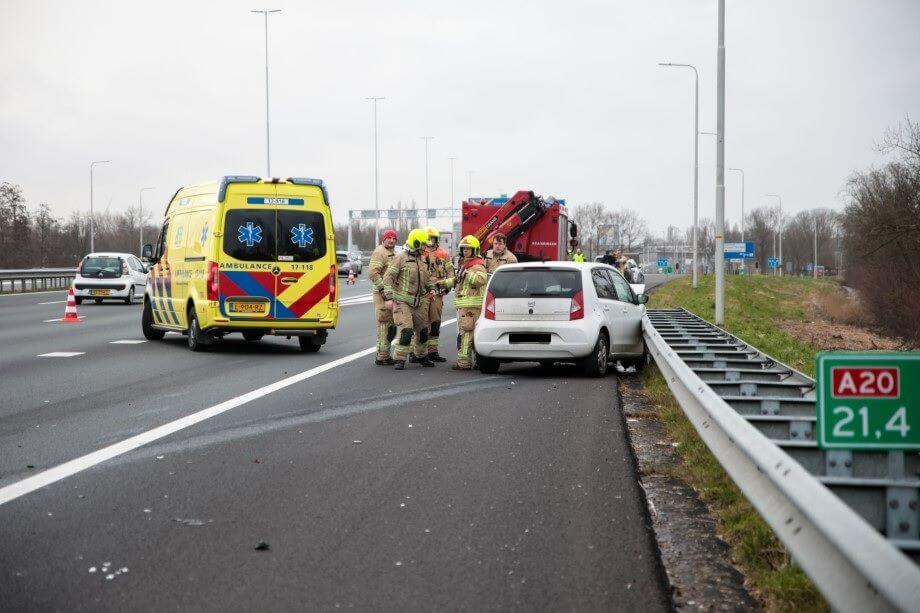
[104, 276]
[347, 262]
[560, 312]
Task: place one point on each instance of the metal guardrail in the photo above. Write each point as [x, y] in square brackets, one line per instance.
[35, 279]
[833, 510]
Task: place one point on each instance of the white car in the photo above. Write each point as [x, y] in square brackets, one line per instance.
[560, 312]
[103, 276]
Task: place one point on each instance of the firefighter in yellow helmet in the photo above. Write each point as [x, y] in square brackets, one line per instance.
[470, 288]
[441, 271]
[407, 288]
[386, 329]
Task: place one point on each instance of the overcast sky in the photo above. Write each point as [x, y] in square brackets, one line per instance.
[565, 98]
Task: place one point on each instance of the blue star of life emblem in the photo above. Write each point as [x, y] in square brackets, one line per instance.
[204, 234]
[249, 234]
[301, 235]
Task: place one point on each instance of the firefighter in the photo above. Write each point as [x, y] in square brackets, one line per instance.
[386, 329]
[498, 254]
[470, 285]
[407, 288]
[441, 273]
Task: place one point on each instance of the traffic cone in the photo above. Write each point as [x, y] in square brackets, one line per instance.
[70, 311]
[351, 276]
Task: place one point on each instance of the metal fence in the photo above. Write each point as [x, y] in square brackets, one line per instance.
[35, 279]
[850, 519]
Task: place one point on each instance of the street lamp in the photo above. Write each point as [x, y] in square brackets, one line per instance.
[696, 155]
[720, 172]
[140, 213]
[742, 200]
[268, 156]
[92, 219]
[376, 174]
[427, 140]
[780, 232]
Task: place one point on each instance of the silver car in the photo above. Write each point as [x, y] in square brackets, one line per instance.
[107, 276]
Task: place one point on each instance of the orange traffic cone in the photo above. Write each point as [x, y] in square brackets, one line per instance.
[70, 311]
[351, 276]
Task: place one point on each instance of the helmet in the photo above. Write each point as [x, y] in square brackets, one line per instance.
[470, 241]
[433, 232]
[390, 234]
[416, 239]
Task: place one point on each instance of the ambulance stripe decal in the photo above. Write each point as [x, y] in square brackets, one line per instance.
[310, 298]
[167, 291]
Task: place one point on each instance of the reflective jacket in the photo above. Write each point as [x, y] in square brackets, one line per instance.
[407, 279]
[440, 269]
[493, 260]
[471, 283]
[380, 261]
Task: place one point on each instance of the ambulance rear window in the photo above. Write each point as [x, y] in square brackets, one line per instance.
[301, 235]
[254, 235]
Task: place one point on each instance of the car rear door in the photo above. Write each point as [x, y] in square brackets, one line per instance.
[628, 313]
[606, 298]
[247, 285]
[305, 271]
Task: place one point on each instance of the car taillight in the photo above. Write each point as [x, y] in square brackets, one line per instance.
[333, 276]
[490, 306]
[577, 309]
[213, 276]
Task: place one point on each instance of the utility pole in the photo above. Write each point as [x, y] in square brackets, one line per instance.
[268, 156]
[696, 159]
[814, 264]
[92, 218]
[720, 174]
[140, 214]
[427, 140]
[376, 174]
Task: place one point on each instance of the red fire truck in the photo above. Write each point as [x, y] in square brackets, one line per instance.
[537, 228]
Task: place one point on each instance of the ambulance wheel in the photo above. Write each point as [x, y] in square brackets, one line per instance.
[78, 300]
[98, 300]
[150, 333]
[253, 336]
[307, 345]
[197, 340]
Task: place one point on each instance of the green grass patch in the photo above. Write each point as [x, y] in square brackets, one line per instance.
[752, 304]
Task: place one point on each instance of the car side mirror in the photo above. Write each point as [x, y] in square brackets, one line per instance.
[147, 252]
[641, 298]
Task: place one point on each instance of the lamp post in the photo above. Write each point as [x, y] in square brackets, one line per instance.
[779, 231]
[268, 156]
[92, 218]
[376, 174]
[140, 214]
[427, 140]
[720, 173]
[696, 156]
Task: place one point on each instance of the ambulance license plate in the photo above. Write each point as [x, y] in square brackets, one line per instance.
[100, 292]
[247, 307]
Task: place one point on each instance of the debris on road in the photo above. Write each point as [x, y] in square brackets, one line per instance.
[263, 546]
[191, 521]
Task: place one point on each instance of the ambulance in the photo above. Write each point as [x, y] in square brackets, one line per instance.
[244, 255]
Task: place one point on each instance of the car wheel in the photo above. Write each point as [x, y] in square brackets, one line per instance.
[253, 336]
[97, 300]
[150, 333]
[595, 365]
[487, 366]
[307, 345]
[78, 300]
[197, 340]
[130, 298]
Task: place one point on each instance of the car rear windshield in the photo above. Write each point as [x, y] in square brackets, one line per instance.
[101, 267]
[535, 283]
[255, 235]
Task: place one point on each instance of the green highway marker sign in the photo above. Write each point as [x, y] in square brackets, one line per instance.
[868, 400]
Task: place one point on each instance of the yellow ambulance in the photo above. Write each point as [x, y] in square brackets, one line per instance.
[244, 255]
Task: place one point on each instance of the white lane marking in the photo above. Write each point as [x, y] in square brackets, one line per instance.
[48, 321]
[60, 354]
[365, 301]
[72, 467]
[359, 297]
[50, 291]
[53, 302]
[127, 341]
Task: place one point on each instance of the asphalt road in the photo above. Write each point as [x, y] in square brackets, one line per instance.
[426, 489]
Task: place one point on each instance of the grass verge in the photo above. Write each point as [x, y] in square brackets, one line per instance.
[752, 304]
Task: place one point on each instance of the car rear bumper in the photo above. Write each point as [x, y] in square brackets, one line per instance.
[116, 288]
[492, 339]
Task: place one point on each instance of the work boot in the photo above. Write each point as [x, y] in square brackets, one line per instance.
[386, 362]
[458, 367]
[400, 365]
[413, 359]
[425, 362]
[434, 356]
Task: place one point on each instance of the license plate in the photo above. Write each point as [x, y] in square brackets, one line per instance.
[247, 307]
[100, 292]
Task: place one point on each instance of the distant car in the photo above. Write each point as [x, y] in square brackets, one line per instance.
[348, 261]
[560, 312]
[106, 276]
